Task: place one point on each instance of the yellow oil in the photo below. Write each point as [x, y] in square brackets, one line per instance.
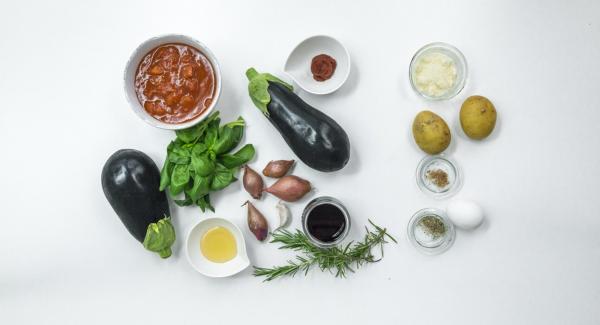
[218, 245]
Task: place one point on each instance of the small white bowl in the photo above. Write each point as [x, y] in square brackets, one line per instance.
[131, 69]
[201, 263]
[298, 64]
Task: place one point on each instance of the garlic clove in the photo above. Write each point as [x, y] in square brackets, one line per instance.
[285, 216]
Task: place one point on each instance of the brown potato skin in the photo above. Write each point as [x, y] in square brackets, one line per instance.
[431, 133]
[478, 117]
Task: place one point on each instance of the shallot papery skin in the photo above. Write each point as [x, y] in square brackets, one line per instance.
[289, 188]
[277, 168]
[253, 183]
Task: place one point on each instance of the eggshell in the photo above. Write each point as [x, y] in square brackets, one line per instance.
[465, 214]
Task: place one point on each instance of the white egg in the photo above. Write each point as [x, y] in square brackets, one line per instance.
[465, 214]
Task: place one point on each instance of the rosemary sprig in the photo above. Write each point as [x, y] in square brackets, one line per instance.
[337, 260]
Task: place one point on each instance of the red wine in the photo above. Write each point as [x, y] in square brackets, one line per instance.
[326, 222]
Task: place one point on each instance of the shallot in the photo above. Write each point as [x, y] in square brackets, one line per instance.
[289, 188]
[253, 183]
[256, 222]
[277, 168]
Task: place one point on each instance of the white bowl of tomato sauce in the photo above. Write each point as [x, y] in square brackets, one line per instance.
[172, 81]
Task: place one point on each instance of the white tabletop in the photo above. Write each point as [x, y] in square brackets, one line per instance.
[67, 259]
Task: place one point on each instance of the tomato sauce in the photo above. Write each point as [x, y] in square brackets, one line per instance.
[175, 83]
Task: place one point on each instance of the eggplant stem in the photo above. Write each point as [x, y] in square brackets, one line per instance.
[165, 252]
[251, 73]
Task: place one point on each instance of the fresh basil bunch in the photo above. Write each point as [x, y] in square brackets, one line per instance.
[198, 160]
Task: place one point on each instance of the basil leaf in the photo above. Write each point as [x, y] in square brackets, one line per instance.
[179, 155]
[179, 160]
[212, 132]
[204, 203]
[229, 137]
[200, 188]
[179, 179]
[242, 156]
[184, 203]
[182, 151]
[165, 175]
[223, 177]
[198, 162]
[175, 190]
[192, 134]
[202, 165]
[198, 148]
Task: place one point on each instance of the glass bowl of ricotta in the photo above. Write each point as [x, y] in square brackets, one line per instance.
[438, 71]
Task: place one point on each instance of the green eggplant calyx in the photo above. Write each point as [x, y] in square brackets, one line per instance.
[251, 73]
[165, 253]
[258, 88]
[160, 236]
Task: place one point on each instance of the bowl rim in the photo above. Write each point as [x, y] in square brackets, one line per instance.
[242, 251]
[461, 60]
[159, 40]
[343, 80]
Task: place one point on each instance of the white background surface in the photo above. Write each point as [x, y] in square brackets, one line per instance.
[65, 258]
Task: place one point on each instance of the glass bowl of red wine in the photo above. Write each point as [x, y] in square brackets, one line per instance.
[325, 221]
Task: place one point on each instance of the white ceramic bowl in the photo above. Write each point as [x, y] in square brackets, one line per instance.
[131, 68]
[298, 64]
[201, 263]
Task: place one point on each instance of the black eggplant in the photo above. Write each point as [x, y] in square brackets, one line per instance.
[130, 181]
[318, 140]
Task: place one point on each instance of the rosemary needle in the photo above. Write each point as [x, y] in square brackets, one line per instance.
[337, 260]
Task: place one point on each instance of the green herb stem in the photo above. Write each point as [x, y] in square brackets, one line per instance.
[337, 260]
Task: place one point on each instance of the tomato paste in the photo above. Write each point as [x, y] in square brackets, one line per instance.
[322, 67]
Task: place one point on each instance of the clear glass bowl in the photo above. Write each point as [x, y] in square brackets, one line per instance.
[434, 163]
[320, 201]
[427, 243]
[459, 61]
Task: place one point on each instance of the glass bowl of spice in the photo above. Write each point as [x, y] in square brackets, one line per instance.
[438, 71]
[431, 231]
[438, 176]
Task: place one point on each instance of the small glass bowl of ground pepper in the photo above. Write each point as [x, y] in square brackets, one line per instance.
[431, 231]
[438, 176]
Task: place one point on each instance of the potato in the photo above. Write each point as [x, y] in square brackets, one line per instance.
[477, 117]
[431, 132]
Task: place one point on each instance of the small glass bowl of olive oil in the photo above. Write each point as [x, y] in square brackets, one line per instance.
[215, 247]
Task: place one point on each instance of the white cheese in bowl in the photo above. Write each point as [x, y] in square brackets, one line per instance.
[435, 74]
